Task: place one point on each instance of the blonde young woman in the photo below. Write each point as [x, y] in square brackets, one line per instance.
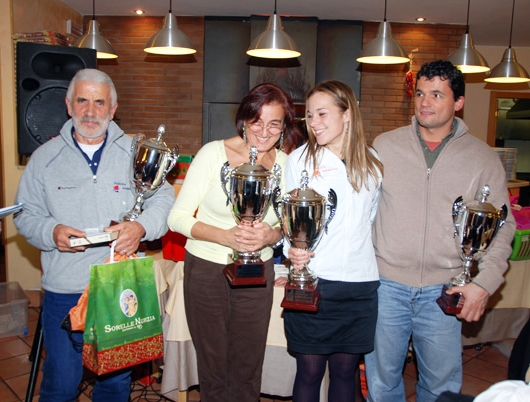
[336, 157]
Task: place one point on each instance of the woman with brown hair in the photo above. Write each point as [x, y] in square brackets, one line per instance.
[228, 324]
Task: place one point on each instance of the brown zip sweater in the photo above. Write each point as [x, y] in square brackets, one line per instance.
[413, 230]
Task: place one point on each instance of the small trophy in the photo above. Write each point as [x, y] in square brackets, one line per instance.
[476, 224]
[252, 188]
[150, 162]
[303, 220]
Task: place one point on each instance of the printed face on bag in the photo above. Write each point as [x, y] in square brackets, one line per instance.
[128, 303]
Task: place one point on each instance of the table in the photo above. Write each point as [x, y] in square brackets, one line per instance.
[180, 363]
[507, 311]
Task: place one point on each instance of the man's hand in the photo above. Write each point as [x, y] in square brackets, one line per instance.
[61, 237]
[130, 235]
[475, 301]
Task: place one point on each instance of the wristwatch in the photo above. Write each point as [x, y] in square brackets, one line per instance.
[277, 244]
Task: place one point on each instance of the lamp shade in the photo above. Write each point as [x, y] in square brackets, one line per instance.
[467, 58]
[383, 49]
[94, 40]
[274, 43]
[170, 40]
[508, 71]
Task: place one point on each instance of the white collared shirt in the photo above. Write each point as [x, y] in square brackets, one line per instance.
[346, 252]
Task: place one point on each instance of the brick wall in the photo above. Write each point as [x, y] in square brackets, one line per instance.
[153, 89]
[384, 102]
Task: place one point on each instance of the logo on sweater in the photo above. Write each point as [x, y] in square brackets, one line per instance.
[118, 186]
[319, 170]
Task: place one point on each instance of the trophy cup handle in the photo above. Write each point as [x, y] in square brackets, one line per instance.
[276, 203]
[174, 157]
[456, 211]
[504, 214]
[225, 173]
[276, 173]
[332, 199]
[136, 138]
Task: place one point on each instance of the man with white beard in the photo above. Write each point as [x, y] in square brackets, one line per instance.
[78, 181]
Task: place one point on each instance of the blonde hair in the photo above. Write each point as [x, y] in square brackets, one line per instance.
[361, 163]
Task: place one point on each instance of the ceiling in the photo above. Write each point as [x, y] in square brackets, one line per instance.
[489, 20]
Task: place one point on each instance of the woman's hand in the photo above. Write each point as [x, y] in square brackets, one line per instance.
[256, 236]
[299, 257]
[230, 240]
[281, 281]
[240, 238]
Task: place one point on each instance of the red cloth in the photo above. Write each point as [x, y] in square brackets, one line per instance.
[173, 246]
[522, 218]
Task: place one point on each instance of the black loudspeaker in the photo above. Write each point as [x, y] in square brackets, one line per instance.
[43, 75]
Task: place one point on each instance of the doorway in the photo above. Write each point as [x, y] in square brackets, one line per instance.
[508, 128]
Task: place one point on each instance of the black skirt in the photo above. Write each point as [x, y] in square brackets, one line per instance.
[344, 323]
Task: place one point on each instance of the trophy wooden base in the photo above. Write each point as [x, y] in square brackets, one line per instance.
[249, 274]
[303, 297]
[450, 304]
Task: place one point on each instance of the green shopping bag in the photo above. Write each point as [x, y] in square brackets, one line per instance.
[123, 326]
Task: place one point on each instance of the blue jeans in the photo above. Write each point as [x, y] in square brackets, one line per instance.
[405, 311]
[63, 368]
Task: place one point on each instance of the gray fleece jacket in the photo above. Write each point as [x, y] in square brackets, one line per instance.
[413, 230]
[58, 187]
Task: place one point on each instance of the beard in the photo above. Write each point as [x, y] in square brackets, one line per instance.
[92, 134]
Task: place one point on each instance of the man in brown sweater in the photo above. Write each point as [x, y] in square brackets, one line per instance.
[428, 165]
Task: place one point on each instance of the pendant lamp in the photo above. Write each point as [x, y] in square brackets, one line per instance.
[383, 49]
[170, 40]
[508, 71]
[274, 43]
[94, 40]
[466, 57]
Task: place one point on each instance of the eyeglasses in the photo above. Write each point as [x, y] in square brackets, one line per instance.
[272, 128]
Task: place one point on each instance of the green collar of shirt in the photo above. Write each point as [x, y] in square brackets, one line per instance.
[431, 156]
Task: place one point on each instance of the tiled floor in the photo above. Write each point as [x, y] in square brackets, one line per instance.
[481, 369]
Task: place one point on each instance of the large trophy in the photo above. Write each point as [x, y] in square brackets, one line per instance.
[303, 220]
[476, 224]
[150, 162]
[252, 188]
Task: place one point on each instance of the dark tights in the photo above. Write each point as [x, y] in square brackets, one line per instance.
[310, 371]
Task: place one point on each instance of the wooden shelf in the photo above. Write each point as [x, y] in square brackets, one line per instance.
[518, 183]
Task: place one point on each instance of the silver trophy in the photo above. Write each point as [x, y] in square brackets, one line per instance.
[252, 188]
[151, 161]
[476, 224]
[303, 222]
